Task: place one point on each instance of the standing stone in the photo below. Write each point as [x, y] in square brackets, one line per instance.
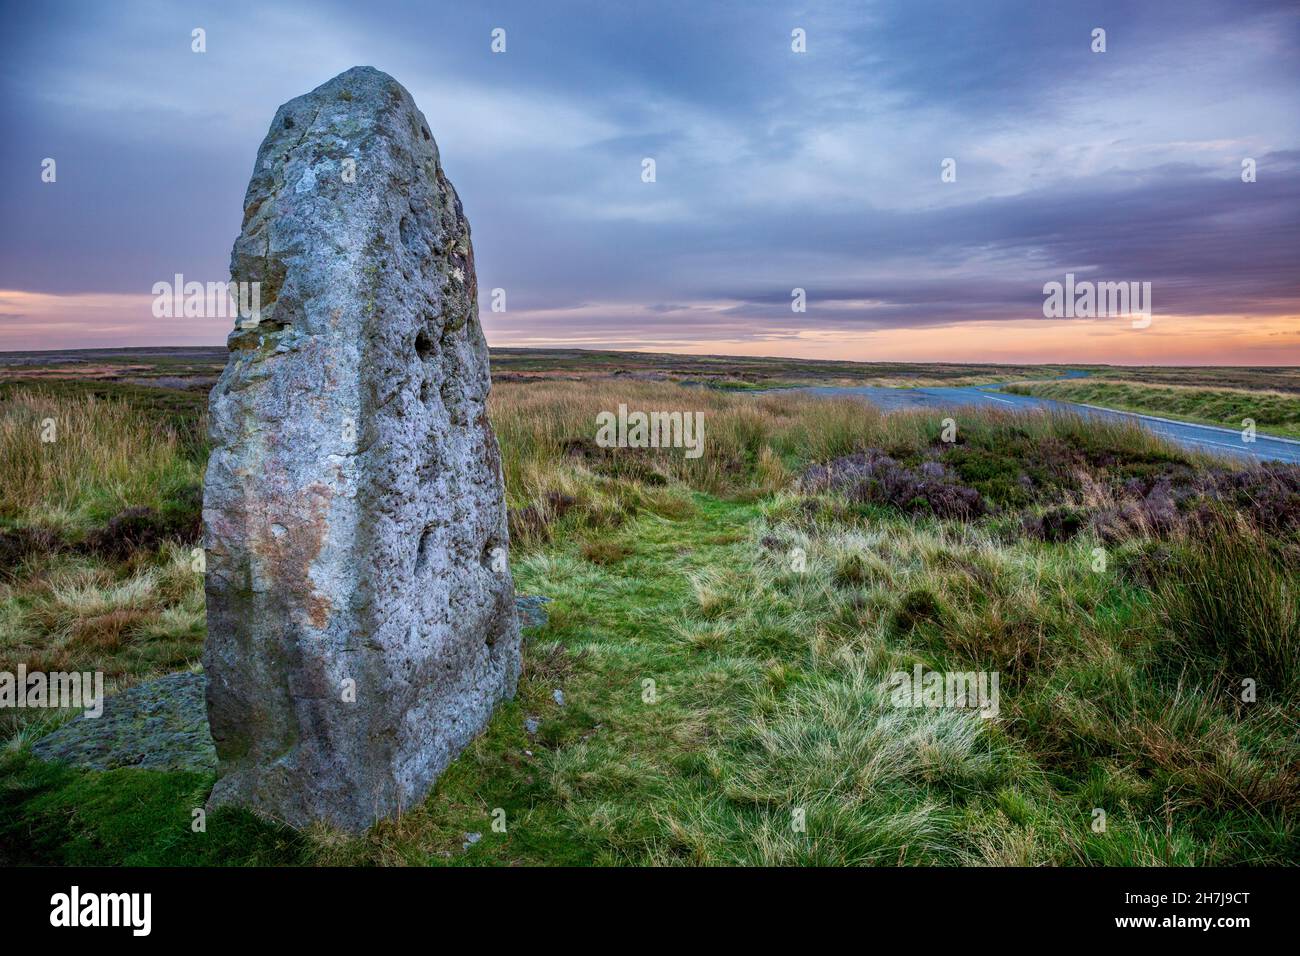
[361, 619]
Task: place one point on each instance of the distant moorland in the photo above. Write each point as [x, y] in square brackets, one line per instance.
[1125, 592]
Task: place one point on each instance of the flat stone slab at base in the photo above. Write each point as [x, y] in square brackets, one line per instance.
[163, 724]
[159, 725]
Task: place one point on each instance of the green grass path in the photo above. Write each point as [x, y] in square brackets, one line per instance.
[592, 786]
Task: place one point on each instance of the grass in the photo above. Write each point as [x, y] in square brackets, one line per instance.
[1274, 412]
[1278, 378]
[742, 373]
[723, 636]
[70, 458]
[1235, 600]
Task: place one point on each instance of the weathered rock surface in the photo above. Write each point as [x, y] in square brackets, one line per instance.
[159, 725]
[354, 505]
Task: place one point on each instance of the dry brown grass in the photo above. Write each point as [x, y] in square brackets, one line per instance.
[104, 457]
[124, 621]
[604, 550]
[747, 437]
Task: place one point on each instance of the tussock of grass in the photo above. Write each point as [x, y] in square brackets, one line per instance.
[1231, 598]
[138, 620]
[605, 550]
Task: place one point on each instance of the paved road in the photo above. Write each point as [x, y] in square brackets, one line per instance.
[1205, 438]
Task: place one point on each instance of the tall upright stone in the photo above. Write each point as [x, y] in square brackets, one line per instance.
[361, 619]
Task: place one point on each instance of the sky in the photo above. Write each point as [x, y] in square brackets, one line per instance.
[820, 170]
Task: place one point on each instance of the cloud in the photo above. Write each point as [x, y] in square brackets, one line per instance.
[774, 169]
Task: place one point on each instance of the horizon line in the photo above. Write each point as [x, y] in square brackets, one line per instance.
[636, 351]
